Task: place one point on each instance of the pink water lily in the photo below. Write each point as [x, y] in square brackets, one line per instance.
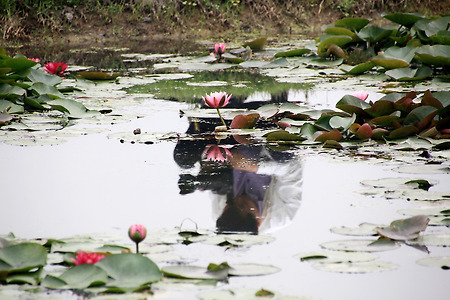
[137, 234]
[55, 68]
[361, 95]
[34, 59]
[216, 153]
[217, 100]
[219, 49]
[87, 258]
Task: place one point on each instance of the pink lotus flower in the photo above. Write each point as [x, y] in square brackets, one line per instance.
[361, 95]
[87, 258]
[216, 153]
[35, 59]
[216, 99]
[137, 234]
[220, 49]
[55, 68]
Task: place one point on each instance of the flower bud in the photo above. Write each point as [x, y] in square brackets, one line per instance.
[137, 233]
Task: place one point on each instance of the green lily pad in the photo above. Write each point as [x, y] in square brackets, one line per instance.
[10, 107]
[395, 57]
[360, 245]
[374, 34]
[41, 88]
[97, 75]
[283, 136]
[353, 105]
[359, 267]
[292, 53]
[421, 116]
[44, 77]
[364, 229]
[194, 272]
[408, 74]
[384, 120]
[405, 19]
[442, 262]
[405, 229]
[354, 24]
[129, 271]
[325, 256]
[358, 69]
[256, 44]
[249, 269]
[246, 294]
[22, 257]
[437, 55]
[72, 107]
[338, 40]
[342, 31]
[439, 240]
[403, 132]
[80, 277]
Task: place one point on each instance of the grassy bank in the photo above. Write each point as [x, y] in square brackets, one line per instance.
[25, 20]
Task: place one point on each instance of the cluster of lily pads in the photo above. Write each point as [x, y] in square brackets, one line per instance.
[418, 48]
[26, 86]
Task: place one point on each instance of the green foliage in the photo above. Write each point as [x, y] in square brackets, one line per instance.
[26, 87]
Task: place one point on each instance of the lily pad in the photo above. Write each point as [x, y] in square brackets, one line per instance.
[246, 294]
[292, 53]
[439, 240]
[194, 272]
[358, 69]
[256, 44]
[97, 75]
[22, 257]
[405, 19]
[408, 74]
[80, 277]
[442, 262]
[248, 269]
[437, 55]
[359, 267]
[374, 34]
[405, 229]
[364, 229]
[361, 245]
[354, 24]
[326, 256]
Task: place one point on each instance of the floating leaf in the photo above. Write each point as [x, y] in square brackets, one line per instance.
[360, 245]
[395, 57]
[72, 107]
[364, 229]
[336, 256]
[438, 55]
[245, 294]
[22, 257]
[97, 75]
[403, 132]
[342, 31]
[374, 34]
[405, 19]
[338, 40]
[244, 121]
[354, 24]
[442, 262]
[359, 69]
[405, 229]
[248, 269]
[359, 267]
[83, 276]
[440, 240]
[335, 135]
[421, 116]
[408, 74]
[129, 271]
[353, 105]
[256, 44]
[292, 53]
[194, 272]
[282, 135]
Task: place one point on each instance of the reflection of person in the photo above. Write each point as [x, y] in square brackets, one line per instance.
[266, 193]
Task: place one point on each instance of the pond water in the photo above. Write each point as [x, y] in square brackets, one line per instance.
[99, 183]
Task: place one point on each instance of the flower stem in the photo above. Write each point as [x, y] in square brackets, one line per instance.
[137, 248]
[220, 116]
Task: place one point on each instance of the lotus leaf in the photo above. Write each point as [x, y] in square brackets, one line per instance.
[16, 65]
[283, 136]
[403, 132]
[41, 76]
[10, 107]
[129, 271]
[256, 44]
[374, 34]
[441, 37]
[342, 31]
[22, 257]
[405, 229]
[244, 121]
[442, 262]
[358, 267]
[335, 135]
[194, 272]
[360, 245]
[434, 26]
[352, 104]
[80, 277]
[395, 57]
[97, 75]
[338, 40]
[421, 116]
[354, 24]
[72, 107]
[41, 88]
[359, 69]
[291, 53]
[408, 74]
[381, 108]
[438, 55]
[405, 19]
[364, 229]
[342, 123]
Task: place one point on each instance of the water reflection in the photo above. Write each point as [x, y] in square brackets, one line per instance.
[253, 187]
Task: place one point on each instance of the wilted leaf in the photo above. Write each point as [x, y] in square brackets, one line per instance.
[405, 229]
[244, 121]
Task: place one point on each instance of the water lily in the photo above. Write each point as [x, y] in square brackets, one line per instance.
[137, 234]
[55, 68]
[361, 95]
[216, 153]
[219, 49]
[217, 100]
[87, 258]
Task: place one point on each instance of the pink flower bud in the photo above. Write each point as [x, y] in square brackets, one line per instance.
[361, 95]
[137, 233]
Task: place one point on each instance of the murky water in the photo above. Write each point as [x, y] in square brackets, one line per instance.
[95, 184]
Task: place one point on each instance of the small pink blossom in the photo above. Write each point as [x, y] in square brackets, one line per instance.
[55, 68]
[137, 233]
[216, 153]
[220, 48]
[87, 258]
[361, 95]
[35, 59]
[217, 99]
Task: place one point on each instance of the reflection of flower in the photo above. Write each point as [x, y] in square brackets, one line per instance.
[361, 95]
[217, 100]
[137, 234]
[216, 153]
[87, 258]
[34, 59]
[55, 68]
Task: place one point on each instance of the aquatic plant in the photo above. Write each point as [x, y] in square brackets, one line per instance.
[361, 95]
[87, 258]
[216, 153]
[55, 68]
[217, 100]
[219, 49]
[137, 234]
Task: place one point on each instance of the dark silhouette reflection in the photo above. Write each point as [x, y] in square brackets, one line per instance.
[254, 188]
